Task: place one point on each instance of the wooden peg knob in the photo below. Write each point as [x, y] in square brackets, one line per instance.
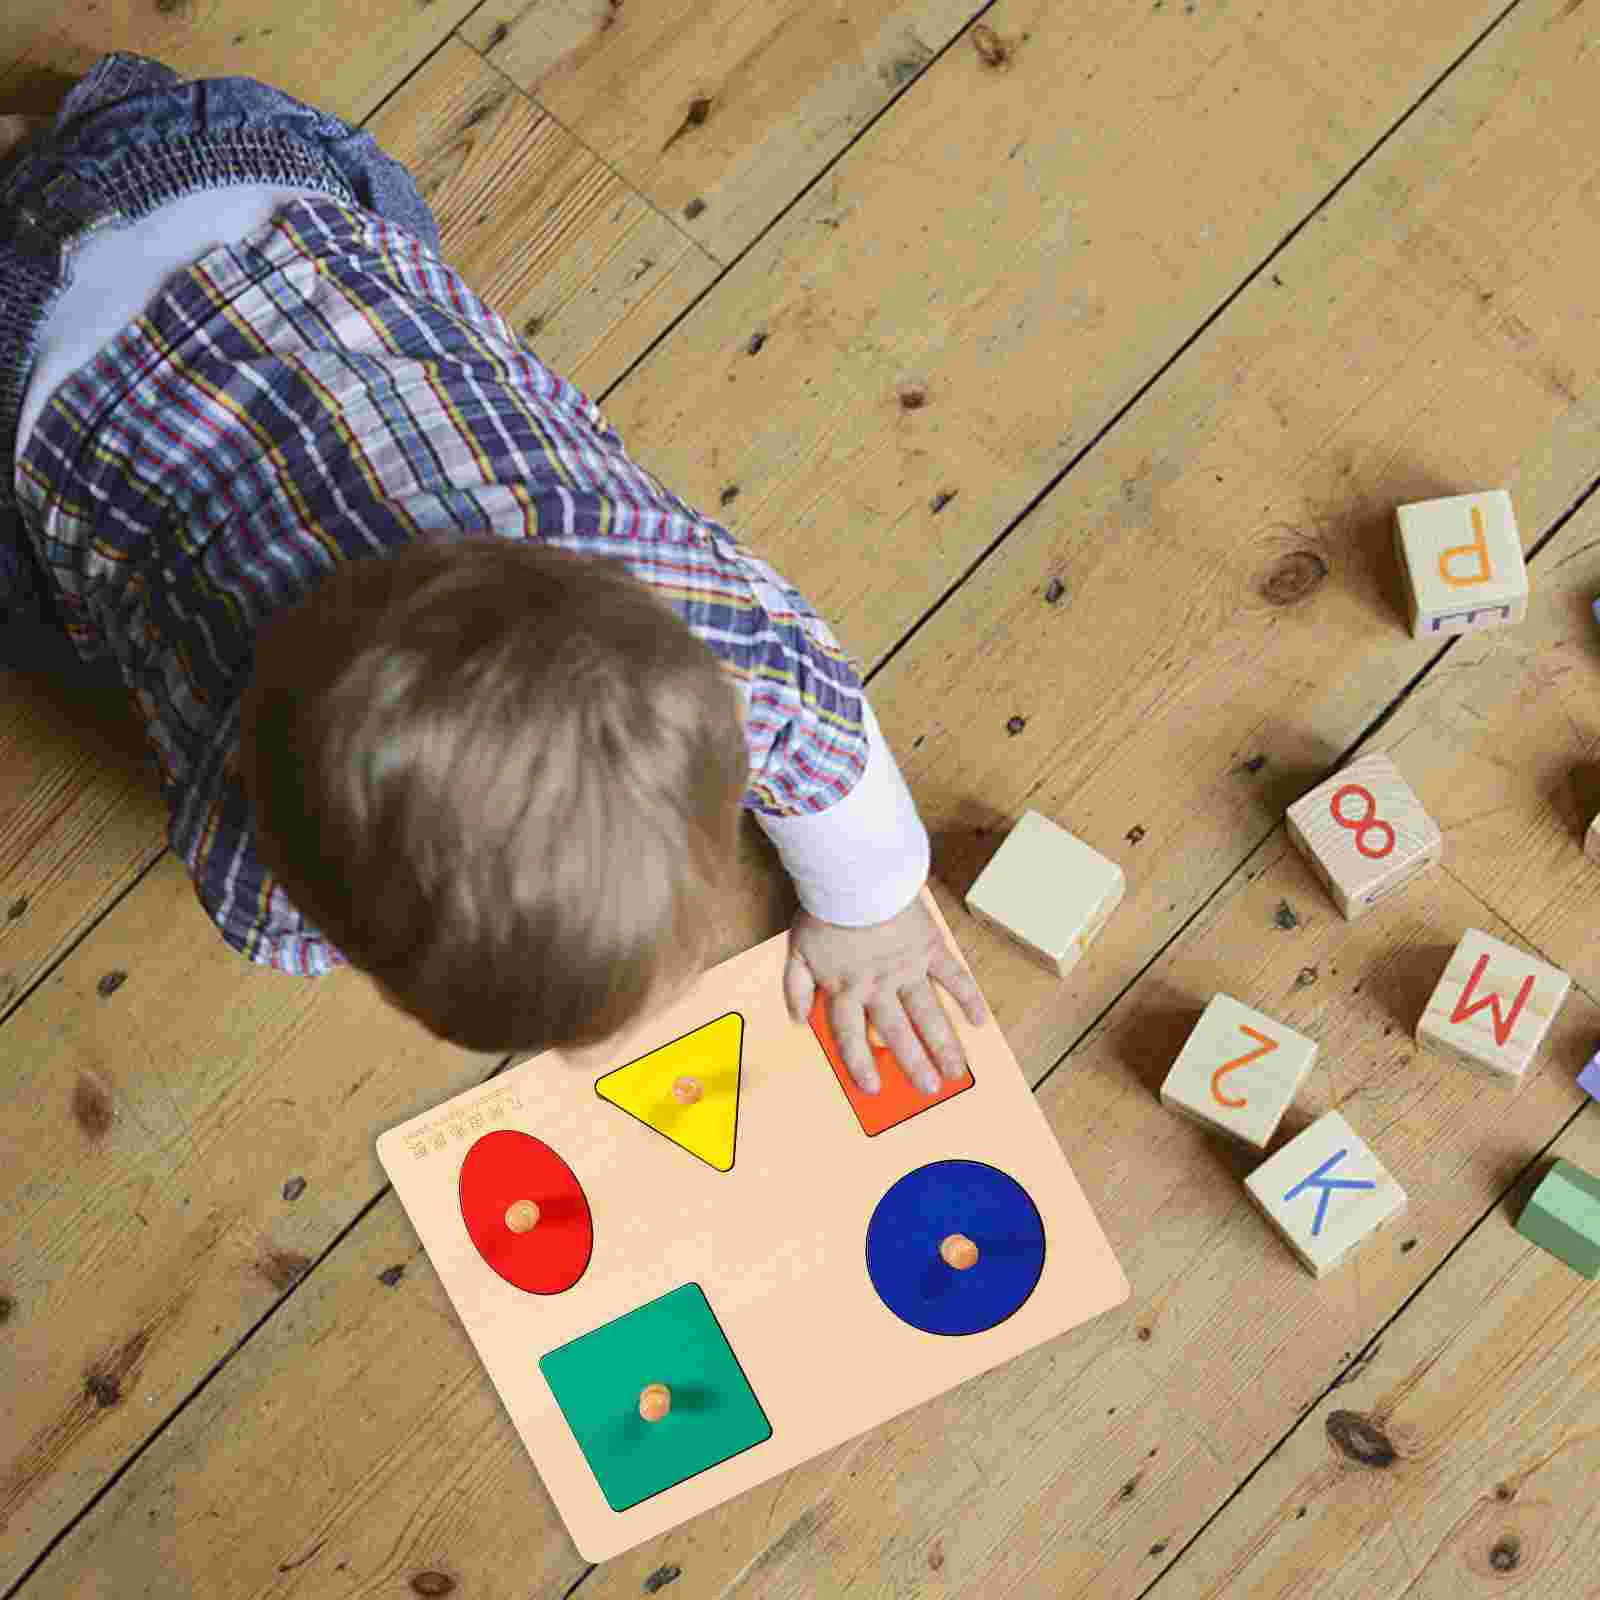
[521, 1216]
[687, 1091]
[655, 1402]
[959, 1252]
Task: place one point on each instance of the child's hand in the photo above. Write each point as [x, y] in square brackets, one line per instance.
[882, 972]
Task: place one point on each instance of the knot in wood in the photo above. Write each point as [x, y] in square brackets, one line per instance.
[1361, 1440]
[1506, 1554]
[1292, 577]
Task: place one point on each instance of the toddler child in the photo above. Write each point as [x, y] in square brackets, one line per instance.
[439, 682]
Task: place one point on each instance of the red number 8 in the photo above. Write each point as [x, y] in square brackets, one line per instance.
[1361, 826]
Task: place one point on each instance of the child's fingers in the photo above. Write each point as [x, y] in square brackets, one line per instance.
[799, 987]
[849, 1024]
[936, 1033]
[902, 1039]
[962, 985]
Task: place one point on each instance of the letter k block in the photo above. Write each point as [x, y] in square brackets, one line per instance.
[1324, 1192]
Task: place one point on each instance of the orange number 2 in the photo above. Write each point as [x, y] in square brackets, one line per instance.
[1267, 1047]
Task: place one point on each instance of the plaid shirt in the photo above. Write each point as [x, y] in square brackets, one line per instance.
[321, 393]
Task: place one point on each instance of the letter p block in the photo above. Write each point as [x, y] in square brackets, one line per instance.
[1461, 559]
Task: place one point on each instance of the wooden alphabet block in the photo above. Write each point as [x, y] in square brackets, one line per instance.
[1589, 1078]
[1238, 1072]
[1563, 1217]
[1047, 892]
[1364, 834]
[1325, 1192]
[1461, 558]
[1493, 1006]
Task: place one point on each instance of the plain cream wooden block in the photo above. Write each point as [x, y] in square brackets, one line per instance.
[1325, 1192]
[1493, 1006]
[1047, 892]
[1238, 1072]
[1462, 562]
[1364, 834]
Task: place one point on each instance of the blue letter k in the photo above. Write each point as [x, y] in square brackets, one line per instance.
[1327, 1185]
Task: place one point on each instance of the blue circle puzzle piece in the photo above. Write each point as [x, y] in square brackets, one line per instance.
[923, 1209]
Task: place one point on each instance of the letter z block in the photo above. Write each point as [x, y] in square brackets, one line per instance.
[1047, 892]
[1493, 1006]
[1461, 559]
[1364, 834]
[1563, 1217]
[1325, 1192]
[1238, 1072]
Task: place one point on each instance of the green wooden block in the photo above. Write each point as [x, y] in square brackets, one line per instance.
[598, 1377]
[1563, 1217]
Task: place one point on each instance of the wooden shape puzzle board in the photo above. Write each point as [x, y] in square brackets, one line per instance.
[791, 1301]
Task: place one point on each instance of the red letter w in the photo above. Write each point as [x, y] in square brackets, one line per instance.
[1502, 1025]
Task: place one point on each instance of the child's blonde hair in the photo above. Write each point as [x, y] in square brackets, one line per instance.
[503, 780]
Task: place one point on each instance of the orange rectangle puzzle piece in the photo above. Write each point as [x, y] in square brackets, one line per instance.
[898, 1098]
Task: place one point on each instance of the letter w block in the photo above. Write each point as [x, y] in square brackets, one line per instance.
[1493, 1007]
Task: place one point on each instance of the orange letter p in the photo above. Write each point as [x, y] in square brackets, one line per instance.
[1479, 547]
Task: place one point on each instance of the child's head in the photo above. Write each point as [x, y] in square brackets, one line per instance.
[503, 780]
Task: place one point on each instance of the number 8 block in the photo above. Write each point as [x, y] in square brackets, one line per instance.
[1364, 834]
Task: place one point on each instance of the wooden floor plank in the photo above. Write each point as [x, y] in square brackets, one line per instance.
[978, 287]
[737, 107]
[1456, 1458]
[587, 273]
[152, 1127]
[297, 1470]
[1459, 1459]
[344, 58]
[1486, 1379]
[80, 819]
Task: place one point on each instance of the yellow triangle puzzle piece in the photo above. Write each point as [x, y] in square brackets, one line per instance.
[710, 1055]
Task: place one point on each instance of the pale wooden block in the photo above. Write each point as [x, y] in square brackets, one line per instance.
[1461, 559]
[1591, 841]
[1047, 892]
[1493, 1006]
[1364, 833]
[1238, 1072]
[1325, 1192]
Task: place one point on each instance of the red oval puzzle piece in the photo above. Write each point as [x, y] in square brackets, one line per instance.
[506, 1166]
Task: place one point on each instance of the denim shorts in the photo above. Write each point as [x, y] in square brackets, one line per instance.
[130, 136]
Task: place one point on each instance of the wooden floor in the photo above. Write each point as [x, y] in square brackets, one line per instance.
[1071, 357]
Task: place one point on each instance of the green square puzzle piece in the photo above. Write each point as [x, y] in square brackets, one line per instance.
[598, 1377]
[1563, 1217]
